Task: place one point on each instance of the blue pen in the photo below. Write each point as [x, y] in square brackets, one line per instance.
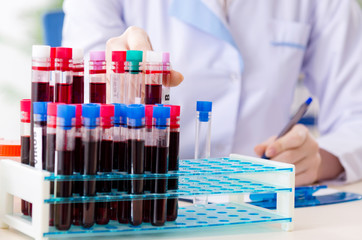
[296, 118]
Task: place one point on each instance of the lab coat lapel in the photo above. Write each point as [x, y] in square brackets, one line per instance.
[204, 15]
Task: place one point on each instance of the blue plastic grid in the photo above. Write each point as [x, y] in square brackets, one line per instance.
[188, 217]
[192, 167]
[188, 186]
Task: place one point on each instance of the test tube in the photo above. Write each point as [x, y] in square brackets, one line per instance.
[97, 77]
[105, 161]
[40, 73]
[64, 147]
[173, 163]
[25, 142]
[78, 76]
[153, 70]
[50, 153]
[64, 78]
[117, 77]
[52, 74]
[161, 120]
[39, 143]
[118, 153]
[166, 78]
[203, 129]
[121, 147]
[136, 148]
[150, 157]
[90, 139]
[203, 137]
[134, 83]
[78, 164]
[40, 76]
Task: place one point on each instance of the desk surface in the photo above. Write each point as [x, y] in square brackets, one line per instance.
[338, 221]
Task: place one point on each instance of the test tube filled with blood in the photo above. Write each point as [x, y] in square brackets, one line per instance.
[97, 77]
[64, 147]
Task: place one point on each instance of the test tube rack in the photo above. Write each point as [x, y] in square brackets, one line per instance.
[233, 176]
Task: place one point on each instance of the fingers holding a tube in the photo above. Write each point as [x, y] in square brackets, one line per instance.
[135, 38]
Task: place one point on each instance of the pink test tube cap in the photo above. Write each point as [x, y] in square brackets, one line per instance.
[166, 57]
[97, 56]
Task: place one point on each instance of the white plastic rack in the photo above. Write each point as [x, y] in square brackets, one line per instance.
[232, 176]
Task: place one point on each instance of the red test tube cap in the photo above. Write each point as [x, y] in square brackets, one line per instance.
[53, 51]
[78, 115]
[107, 114]
[63, 52]
[25, 110]
[52, 109]
[25, 105]
[174, 115]
[119, 56]
[149, 115]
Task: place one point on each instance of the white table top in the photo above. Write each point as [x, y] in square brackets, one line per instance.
[338, 221]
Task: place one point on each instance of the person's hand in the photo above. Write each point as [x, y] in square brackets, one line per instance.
[297, 147]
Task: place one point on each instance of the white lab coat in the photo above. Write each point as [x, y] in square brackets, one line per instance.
[247, 63]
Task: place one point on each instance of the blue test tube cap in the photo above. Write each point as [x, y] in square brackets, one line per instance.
[40, 108]
[117, 113]
[120, 113]
[123, 113]
[137, 113]
[204, 107]
[67, 114]
[91, 114]
[161, 114]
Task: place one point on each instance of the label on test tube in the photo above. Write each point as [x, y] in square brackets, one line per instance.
[38, 147]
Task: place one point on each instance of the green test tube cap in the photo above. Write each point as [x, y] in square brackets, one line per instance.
[134, 57]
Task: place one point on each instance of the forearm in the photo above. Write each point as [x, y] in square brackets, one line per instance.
[330, 166]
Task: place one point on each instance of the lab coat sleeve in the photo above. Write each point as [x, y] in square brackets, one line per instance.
[88, 24]
[333, 71]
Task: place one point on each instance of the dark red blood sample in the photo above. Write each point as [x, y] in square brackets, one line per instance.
[150, 154]
[25, 151]
[40, 92]
[63, 211]
[63, 93]
[105, 166]
[78, 185]
[51, 93]
[158, 217]
[123, 210]
[78, 89]
[89, 187]
[136, 166]
[49, 164]
[97, 93]
[172, 204]
[153, 93]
